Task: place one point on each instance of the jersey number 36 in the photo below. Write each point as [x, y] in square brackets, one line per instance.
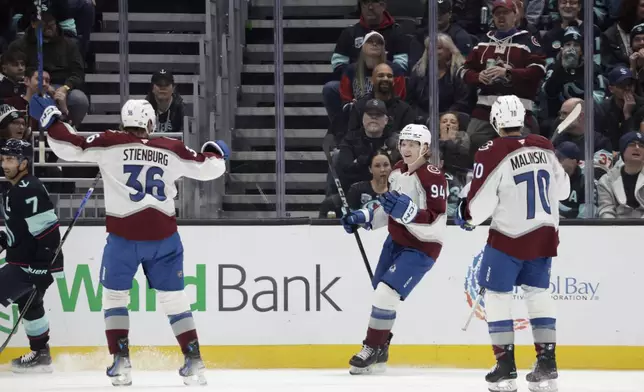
[150, 183]
[542, 183]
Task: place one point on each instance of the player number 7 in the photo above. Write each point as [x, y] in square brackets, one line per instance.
[542, 182]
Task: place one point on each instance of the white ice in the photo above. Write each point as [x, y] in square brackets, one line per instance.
[396, 379]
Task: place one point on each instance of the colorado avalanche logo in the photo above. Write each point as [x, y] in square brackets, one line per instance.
[472, 289]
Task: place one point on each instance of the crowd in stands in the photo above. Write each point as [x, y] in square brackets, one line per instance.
[66, 53]
[533, 49]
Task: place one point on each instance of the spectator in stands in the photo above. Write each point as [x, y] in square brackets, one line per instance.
[621, 191]
[554, 39]
[167, 103]
[510, 61]
[565, 77]
[13, 72]
[616, 41]
[574, 206]
[461, 38]
[623, 111]
[534, 13]
[83, 13]
[12, 123]
[357, 77]
[373, 17]
[453, 93]
[576, 133]
[551, 14]
[400, 113]
[357, 148]
[364, 194]
[454, 143]
[637, 58]
[64, 62]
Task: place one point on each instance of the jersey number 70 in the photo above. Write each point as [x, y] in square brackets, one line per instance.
[152, 185]
[542, 183]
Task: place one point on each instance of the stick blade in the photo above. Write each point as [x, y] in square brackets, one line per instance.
[571, 118]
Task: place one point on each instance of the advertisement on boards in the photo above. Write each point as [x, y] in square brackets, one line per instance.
[301, 285]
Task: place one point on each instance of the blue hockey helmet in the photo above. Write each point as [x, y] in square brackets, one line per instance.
[17, 148]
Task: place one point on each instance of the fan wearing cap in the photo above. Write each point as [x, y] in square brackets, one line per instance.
[373, 17]
[167, 103]
[31, 238]
[357, 78]
[637, 58]
[623, 111]
[565, 76]
[571, 13]
[414, 210]
[12, 123]
[508, 61]
[570, 157]
[621, 192]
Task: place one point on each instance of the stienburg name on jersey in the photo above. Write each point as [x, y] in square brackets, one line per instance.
[142, 154]
[528, 158]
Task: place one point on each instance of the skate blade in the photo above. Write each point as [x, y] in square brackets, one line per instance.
[198, 379]
[502, 386]
[33, 370]
[543, 386]
[377, 368]
[122, 380]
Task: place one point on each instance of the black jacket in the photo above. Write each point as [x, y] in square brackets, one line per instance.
[400, 114]
[613, 48]
[8, 88]
[172, 119]
[61, 56]
[453, 94]
[348, 46]
[355, 151]
[610, 119]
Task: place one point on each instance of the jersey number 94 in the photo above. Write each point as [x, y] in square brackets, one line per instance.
[145, 181]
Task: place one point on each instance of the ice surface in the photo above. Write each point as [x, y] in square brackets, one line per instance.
[396, 379]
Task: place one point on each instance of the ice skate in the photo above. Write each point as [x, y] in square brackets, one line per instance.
[193, 369]
[370, 360]
[543, 377]
[120, 373]
[33, 362]
[502, 378]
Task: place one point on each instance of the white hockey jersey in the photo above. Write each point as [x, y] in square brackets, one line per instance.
[519, 182]
[138, 175]
[427, 187]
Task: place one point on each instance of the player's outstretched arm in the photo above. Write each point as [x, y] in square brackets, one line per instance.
[205, 166]
[562, 181]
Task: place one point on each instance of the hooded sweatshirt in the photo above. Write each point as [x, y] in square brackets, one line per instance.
[172, 119]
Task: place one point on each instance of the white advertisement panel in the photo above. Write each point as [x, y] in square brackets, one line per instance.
[286, 285]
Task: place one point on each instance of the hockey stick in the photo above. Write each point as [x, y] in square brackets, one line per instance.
[570, 118]
[32, 296]
[328, 140]
[475, 305]
[39, 29]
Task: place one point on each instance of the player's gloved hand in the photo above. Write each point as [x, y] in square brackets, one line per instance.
[218, 147]
[459, 218]
[45, 255]
[3, 241]
[399, 206]
[44, 110]
[353, 219]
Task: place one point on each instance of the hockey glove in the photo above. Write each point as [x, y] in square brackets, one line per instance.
[399, 207]
[459, 217]
[218, 147]
[44, 110]
[353, 219]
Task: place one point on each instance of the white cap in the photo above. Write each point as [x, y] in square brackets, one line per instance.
[417, 133]
[138, 113]
[372, 34]
[507, 112]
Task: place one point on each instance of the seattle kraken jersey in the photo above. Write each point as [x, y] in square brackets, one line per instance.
[31, 224]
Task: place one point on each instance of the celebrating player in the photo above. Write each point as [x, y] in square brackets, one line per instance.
[518, 181]
[139, 176]
[31, 239]
[415, 212]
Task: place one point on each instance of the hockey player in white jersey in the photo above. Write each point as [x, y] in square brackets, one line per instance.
[139, 175]
[518, 181]
[414, 210]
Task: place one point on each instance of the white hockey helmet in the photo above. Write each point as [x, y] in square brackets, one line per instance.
[507, 112]
[138, 113]
[417, 133]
